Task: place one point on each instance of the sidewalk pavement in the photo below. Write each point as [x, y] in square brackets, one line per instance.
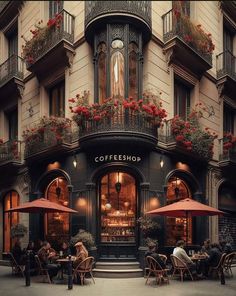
[15, 286]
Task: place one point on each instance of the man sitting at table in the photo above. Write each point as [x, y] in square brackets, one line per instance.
[152, 251]
[214, 257]
[45, 256]
[206, 247]
[182, 255]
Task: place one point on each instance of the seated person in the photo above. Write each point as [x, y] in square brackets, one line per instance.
[65, 250]
[81, 253]
[44, 256]
[37, 245]
[226, 247]
[32, 253]
[214, 257]
[206, 247]
[18, 253]
[152, 251]
[181, 254]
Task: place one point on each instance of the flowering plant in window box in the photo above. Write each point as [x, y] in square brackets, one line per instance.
[40, 36]
[49, 129]
[229, 142]
[147, 107]
[192, 34]
[9, 150]
[189, 134]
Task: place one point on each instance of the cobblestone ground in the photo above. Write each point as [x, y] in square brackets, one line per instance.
[15, 286]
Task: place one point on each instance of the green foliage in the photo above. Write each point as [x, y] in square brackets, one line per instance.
[85, 237]
[150, 228]
[18, 230]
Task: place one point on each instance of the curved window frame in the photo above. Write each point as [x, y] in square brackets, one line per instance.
[8, 218]
[181, 191]
[129, 36]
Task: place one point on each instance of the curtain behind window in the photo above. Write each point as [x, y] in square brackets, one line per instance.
[181, 100]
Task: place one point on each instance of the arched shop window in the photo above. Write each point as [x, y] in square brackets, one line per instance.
[57, 224]
[118, 62]
[12, 199]
[118, 208]
[176, 228]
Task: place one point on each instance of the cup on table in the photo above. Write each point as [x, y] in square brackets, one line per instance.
[61, 254]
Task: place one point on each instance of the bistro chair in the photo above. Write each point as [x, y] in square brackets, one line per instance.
[155, 269]
[228, 262]
[42, 271]
[220, 267]
[163, 257]
[83, 268]
[16, 268]
[180, 266]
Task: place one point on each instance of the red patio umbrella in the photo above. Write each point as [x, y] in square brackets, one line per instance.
[186, 208]
[41, 205]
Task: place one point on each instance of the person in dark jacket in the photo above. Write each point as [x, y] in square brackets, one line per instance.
[18, 253]
[214, 257]
[226, 247]
[152, 251]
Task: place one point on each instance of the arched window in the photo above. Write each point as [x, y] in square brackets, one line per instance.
[117, 69]
[176, 228]
[102, 72]
[118, 62]
[12, 199]
[133, 70]
[57, 224]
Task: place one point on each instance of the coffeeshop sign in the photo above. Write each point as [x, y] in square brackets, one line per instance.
[117, 157]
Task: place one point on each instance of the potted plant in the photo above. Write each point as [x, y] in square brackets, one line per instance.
[18, 231]
[87, 239]
[150, 229]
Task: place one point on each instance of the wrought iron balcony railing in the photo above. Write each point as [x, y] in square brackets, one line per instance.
[180, 26]
[3, 4]
[12, 67]
[140, 9]
[122, 122]
[10, 151]
[65, 31]
[226, 64]
[46, 140]
[226, 153]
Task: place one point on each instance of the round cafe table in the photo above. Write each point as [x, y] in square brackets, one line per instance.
[198, 259]
[63, 262]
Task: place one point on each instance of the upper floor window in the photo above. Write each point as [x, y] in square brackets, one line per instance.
[181, 99]
[57, 100]
[55, 7]
[228, 120]
[228, 37]
[12, 40]
[118, 62]
[12, 120]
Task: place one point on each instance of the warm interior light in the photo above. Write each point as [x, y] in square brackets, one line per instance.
[161, 162]
[108, 206]
[75, 161]
[81, 202]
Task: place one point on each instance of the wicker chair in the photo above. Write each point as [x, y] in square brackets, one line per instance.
[42, 271]
[219, 268]
[16, 268]
[228, 262]
[179, 265]
[155, 269]
[83, 268]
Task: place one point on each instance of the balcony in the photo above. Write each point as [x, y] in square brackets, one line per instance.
[190, 153]
[8, 10]
[11, 76]
[227, 156]
[226, 73]
[123, 127]
[98, 13]
[52, 48]
[49, 144]
[10, 154]
[184, 43]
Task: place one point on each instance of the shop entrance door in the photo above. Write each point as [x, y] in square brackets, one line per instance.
[118, 214]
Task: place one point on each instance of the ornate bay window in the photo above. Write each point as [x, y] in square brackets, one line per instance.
[118, 62]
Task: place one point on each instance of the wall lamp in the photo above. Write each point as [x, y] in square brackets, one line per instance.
[161, 161]
[75, 162]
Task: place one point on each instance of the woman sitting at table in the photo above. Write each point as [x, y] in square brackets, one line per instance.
[81, 253]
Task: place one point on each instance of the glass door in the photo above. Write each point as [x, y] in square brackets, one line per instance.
[118, 205]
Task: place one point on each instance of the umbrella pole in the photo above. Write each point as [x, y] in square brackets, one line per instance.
[187, 228]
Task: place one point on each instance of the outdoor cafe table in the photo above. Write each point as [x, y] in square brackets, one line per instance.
[198, 258]
[63, 262]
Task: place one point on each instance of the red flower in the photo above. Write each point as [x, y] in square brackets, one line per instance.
[179, 138]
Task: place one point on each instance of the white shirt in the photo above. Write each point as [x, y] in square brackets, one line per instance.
[181, 254]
